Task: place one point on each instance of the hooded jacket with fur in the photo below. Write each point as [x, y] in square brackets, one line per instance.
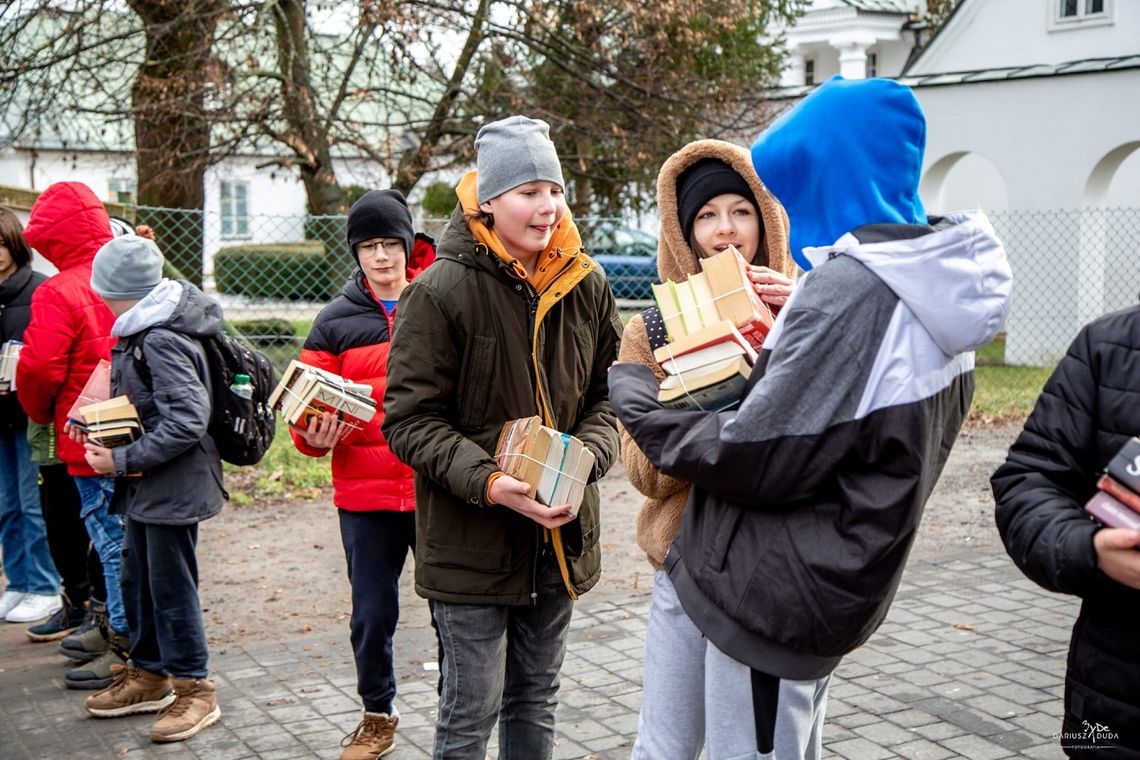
[660, 515]
[807, 499]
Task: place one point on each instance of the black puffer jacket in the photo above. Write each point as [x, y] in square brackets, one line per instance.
[15, 312]
[1088, 409]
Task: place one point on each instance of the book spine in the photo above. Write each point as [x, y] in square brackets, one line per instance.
[1124, 468]
[1120, 493]
[1111, 513]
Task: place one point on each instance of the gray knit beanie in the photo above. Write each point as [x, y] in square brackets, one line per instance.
[513, 151]
[126, 268]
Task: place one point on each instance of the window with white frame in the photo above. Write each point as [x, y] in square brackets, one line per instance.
[1070, 14]
[121, 190]
[809, 71]
[235, 209]
[872, 65]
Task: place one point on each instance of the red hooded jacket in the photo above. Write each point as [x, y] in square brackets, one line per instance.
[351, 337]
[70, 327]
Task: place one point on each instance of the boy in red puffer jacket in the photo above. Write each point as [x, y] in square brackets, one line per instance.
[372, 490]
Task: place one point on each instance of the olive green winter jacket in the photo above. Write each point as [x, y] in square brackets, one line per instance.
[473, 348]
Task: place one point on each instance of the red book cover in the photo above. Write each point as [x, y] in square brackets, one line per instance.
[1119, 492]
[97, 388]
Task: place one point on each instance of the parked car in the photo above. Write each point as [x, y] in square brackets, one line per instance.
[628, 256]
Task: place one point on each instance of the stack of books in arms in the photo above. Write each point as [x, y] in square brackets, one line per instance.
[1117, 502]
[306, 391]
[110, 423]
[9, 355]
[715, 324]
[556, 465]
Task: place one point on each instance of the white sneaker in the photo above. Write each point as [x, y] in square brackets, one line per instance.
[34, 607]
[10, 600]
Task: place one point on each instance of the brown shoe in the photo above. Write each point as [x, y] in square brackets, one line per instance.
[373, 738]
[195, 707]
[132, 690]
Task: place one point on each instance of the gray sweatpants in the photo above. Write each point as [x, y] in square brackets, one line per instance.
[751, 715]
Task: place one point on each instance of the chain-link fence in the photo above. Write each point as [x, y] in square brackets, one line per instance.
[272, 274]
[1069, 267]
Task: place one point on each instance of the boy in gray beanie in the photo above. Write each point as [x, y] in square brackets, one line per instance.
[159, 363]
[513, 320]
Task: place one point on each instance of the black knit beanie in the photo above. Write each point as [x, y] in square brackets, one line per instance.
[380, 213]
[703, 181]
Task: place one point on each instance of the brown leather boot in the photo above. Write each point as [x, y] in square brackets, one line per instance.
[195, 707]
[373, 738]
[132, 690]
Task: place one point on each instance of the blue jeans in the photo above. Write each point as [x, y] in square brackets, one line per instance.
[502, 662]
[160, 584]
[23, 537]
[106, 531]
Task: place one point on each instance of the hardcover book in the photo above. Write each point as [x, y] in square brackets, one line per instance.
[1124, 468]
[715, 387]
[556, 465]
[9, 357]
[1111, 513]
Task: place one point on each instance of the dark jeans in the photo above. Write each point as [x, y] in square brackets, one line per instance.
[160, 593]
[502, 663]
[375, 547]
[71, 551]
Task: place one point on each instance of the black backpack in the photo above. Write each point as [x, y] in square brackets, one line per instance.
[242, 428]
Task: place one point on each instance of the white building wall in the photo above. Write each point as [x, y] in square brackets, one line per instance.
[988, 34]
[1053, 145]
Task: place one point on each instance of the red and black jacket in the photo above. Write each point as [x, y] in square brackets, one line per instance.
[351, 337]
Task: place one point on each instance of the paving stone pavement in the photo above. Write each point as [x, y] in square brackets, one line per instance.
[968, 664]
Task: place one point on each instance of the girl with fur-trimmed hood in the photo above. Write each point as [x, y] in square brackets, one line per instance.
[708, 197]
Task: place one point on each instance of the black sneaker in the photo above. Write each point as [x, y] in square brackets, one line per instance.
[99, 673]
[63, 622]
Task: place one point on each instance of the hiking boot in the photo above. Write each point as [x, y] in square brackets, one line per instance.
[133, 690]
[68, 619]
[97, 674]
[34, 607]
[374, 737]
[90, 639]
[195, 706]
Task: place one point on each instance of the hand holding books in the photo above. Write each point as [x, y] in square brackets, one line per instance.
[9, 356]
[553, 466]
[321, 404]
[1116, 504]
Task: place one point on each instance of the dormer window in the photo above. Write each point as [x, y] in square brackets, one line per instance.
[1078, 8]
[1075, 14]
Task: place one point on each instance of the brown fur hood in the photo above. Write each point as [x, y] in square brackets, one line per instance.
[675, 259]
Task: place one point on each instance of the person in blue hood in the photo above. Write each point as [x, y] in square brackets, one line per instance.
[807, 498]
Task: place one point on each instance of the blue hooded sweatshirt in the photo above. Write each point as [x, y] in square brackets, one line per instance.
[857, 143]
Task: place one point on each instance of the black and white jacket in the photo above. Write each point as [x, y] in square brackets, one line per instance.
[807, 498]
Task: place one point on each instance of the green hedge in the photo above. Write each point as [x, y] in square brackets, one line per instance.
[293, 271]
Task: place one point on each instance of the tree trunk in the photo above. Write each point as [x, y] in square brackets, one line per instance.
[172, 128]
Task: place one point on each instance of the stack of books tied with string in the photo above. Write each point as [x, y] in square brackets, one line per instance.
[1116, 504]
[715, 324]
[306, 392]
[557, 466]
[9, 355]
[110, 423]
